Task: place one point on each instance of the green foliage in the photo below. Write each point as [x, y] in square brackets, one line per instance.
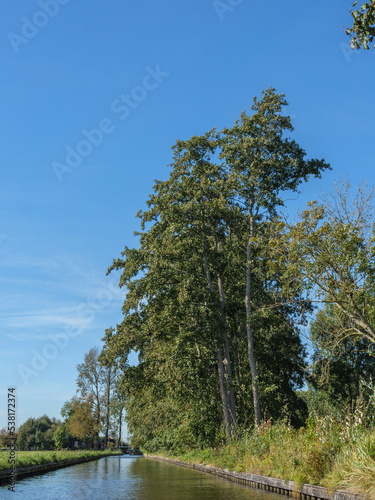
[318, 402]
[333, 451]
[177, 411]
[6, 439]
[29, 458]
[37, 433]
[80, 419]
[343, 370]
[363, 29]
[90, 410]
[330, 251]
[62, 437]
[204, 307]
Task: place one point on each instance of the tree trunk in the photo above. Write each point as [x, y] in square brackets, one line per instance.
[224, 394]
[226, 361]
[119, 432]
[220, 365]
[109, 373]
[250, 341]
[98, 421]
[238, 373]
[98, 414]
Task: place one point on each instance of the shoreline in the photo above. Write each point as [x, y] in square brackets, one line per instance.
[34, 470]
[275, 485]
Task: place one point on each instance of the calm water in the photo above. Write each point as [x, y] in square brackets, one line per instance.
[131, 478]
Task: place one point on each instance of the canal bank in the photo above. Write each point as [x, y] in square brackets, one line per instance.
[271, 484]
[131, 478]
[34, 470]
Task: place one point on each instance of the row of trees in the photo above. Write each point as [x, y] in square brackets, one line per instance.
[221, 285]
[210, 308]
[219, 290]
[96, 409]
[34, 434]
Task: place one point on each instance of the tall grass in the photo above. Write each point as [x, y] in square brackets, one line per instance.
[334, 451]
[354, 468]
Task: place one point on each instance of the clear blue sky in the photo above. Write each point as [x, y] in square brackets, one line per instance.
[143, 74]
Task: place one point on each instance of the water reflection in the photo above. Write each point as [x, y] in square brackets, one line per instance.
[131, 478]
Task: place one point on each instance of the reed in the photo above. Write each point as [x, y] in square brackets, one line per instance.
[336, 452]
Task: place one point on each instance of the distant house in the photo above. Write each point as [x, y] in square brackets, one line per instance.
[77, 444]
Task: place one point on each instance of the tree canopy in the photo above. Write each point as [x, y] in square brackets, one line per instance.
[89, 412]
[363, 29]
[216, 352]
[37, 433]
[331, 250]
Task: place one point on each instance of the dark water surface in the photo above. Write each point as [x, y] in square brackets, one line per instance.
[131, 478]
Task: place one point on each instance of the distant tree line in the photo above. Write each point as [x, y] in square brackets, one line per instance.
[95, 410]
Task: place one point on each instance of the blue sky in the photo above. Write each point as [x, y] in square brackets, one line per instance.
[120, 82]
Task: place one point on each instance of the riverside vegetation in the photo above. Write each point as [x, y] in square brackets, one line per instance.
[219, 294]
[29, 458]
[331, 453]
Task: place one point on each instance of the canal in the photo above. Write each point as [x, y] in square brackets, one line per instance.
[131, 478]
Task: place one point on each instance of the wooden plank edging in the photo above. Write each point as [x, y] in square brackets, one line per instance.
[276, 485]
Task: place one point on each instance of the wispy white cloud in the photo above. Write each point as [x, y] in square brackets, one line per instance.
[24, 336]
[35, 322]
[27, 261]
[47, 297]
[61, 273]
[44, 321]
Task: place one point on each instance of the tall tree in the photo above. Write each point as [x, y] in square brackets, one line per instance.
[201, 287]
[117, 410]
[181, 291]
[263, 164]
[206, 198]
[79, 419]
[109, 382]
[90, 386]
[332, 251]
[96, 384]
[345, 370]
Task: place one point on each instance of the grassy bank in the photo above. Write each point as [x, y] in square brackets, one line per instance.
[325, 453]
[27, 458]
